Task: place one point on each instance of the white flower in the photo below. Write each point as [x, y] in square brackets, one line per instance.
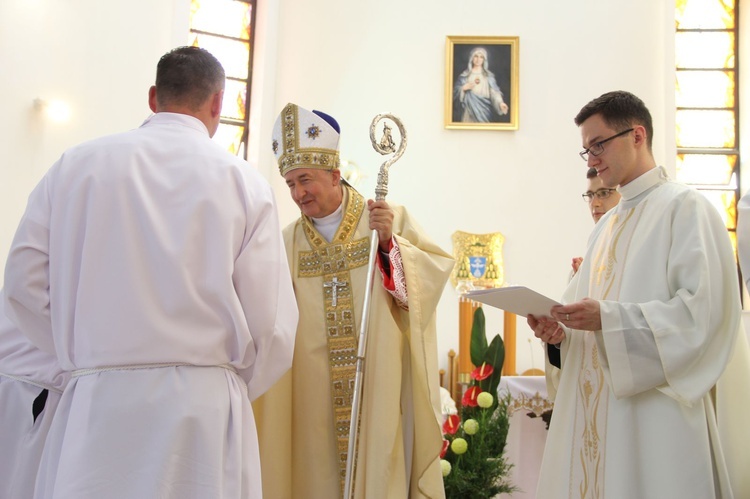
[445, 466]
[485, 400]
[471, 426]
[459, 446]
[447, 404]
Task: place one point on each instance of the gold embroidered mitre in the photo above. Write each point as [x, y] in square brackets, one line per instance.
[305, 139]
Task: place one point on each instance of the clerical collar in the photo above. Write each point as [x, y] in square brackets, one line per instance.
[328, 225]
[651, 178]
[166, 118]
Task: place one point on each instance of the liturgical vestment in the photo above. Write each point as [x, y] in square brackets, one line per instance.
[303, 421]
[31, 382]
[151, 263]
[634, 412]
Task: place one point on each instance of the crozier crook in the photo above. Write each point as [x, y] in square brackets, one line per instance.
[386, 145]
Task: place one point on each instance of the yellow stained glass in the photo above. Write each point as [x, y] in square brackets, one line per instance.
[710, 50]
[230, 137]
[234, 100]
[705, 128]
[705, 89]
[221, 17]
[233, 55]
[706, 169]
[724, 202]
[704, 14]
[733, 240]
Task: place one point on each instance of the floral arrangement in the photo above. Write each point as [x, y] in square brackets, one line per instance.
[474, 441]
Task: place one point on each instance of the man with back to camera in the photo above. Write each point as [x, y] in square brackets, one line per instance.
[650, 320]
[152, 263]
[304, 420]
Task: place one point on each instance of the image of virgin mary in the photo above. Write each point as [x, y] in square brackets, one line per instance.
[477, 93]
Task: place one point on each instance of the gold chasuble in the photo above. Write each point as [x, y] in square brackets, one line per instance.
[304, 420]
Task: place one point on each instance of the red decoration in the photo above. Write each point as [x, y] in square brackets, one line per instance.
[470, 397]
[446, 444]
[482, 372]
[450, 427]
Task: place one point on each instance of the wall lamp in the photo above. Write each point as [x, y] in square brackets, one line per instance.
[56, 110]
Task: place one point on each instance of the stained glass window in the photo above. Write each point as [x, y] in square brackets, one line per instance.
[690, 85]
[706, 91]
[226, 28]
[707, 169]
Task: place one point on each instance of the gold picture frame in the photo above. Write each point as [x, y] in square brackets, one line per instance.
[481, 97]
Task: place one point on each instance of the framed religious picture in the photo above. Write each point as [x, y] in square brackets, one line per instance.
[481, 82]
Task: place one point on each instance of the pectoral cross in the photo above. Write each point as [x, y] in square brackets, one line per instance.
[334, 284]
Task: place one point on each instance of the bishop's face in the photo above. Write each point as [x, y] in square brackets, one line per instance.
[317, 192]
[617, 164]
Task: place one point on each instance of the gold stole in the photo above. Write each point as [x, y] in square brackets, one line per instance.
[333, 262]
[590, 430]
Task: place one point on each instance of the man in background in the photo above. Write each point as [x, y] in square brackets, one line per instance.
[304, 421]
[743, 236]
[650, 320]
[600, 199]
[151, 263]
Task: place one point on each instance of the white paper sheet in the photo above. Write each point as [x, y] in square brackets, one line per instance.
[519, 300]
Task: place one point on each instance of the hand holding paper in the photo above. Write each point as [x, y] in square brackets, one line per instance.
[584, 315]
[519, 300]
[546, 329]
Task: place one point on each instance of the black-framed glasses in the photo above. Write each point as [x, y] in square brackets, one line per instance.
[598, 147]
[602, 193]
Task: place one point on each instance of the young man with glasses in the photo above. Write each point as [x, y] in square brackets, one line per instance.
[600, 199]
[649, 325]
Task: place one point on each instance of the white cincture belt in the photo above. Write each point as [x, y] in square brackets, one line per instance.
[133, 367]
[29, 382]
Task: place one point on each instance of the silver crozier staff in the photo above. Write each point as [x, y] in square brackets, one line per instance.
[386, 145]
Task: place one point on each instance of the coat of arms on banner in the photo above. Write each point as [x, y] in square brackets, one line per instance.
[479, 259]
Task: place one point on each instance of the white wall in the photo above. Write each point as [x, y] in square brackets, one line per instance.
[99, 57]
[355, 60]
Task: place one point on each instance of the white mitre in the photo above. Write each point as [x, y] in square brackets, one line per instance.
[305, 139]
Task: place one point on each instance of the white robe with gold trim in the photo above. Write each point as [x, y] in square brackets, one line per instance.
[296, 417]
[634, 415]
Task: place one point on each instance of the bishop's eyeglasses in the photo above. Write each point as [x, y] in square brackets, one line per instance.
[598, 147]
[602, 193]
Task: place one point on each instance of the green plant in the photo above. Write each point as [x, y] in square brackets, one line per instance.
[474, 441]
